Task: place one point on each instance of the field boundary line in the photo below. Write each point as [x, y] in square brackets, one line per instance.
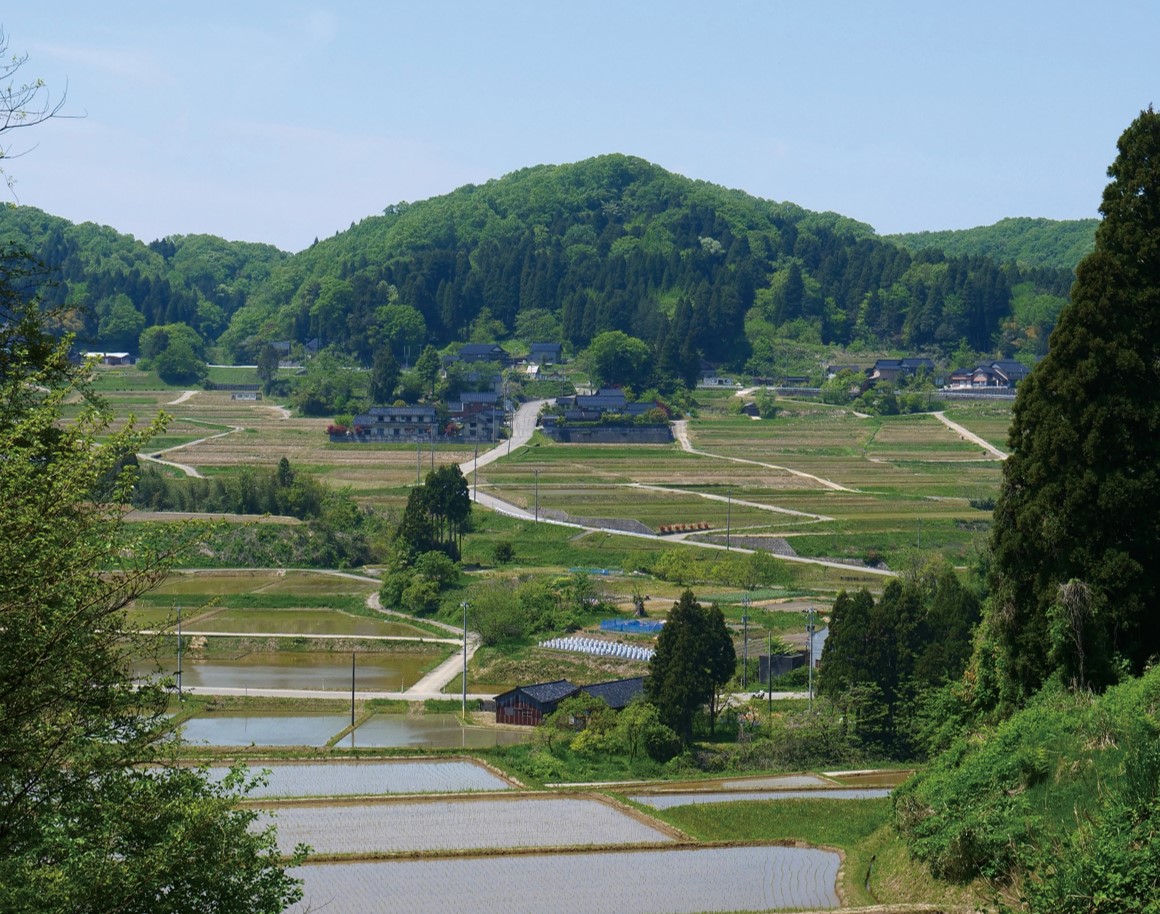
[681, 432]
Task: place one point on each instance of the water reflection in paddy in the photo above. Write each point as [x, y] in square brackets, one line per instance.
[383, 672]
[434, 731]
[266, 729]
[381, 731]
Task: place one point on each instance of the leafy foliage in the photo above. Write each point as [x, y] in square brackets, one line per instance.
[1063, 795]
[1033, 242]
[883, 662]
[81, 827]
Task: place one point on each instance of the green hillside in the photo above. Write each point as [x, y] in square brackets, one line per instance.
[1049, 243]
[560, 252]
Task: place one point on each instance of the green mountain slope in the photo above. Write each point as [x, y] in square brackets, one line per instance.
[1032, 242]
[561, 252]
[615, 243]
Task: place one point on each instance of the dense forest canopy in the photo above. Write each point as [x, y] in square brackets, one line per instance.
[612, 243]
[1031, 242]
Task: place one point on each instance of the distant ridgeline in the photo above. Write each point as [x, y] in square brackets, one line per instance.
[564, 253]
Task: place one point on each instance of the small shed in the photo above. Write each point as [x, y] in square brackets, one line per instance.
[528, 705]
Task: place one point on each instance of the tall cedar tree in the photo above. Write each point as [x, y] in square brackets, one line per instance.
[694, 656]
[1080, 498]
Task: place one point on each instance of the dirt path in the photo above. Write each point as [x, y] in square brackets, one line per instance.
[971, 436]
[681, 431]
[432, 684]
[184, 467]
[737, 501]
[185, 396]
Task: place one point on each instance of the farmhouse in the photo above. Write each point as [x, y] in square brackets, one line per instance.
[528, 705]
[1003, 374]
[395, 423]
[482, 352]
[895, 369]
[110, 358]
[546, 353]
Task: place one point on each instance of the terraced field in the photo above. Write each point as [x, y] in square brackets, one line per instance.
[669, 800]
[679, 881]
[485, 823]
[285, 780]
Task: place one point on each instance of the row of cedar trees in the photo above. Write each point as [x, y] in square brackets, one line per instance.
[437, 514]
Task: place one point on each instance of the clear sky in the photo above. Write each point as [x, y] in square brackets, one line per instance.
[283, 121]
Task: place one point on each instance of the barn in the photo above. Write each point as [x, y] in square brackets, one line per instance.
[528, 705]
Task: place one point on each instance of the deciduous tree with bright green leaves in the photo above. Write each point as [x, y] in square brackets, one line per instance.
[92, 815]
[1080, 497]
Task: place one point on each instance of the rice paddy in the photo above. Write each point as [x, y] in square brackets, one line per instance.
[285, 780]
[679, 881]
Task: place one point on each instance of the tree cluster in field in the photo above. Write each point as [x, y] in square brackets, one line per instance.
[587, 726]
[514, 610]
[693, 660]
[425, 546]
[342, 533]
[749, 570]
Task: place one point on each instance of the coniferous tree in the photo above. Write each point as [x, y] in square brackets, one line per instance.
[1080, 498]
[690, 662]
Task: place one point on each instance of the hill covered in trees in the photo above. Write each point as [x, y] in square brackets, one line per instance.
[561, 252]
[1047, 243]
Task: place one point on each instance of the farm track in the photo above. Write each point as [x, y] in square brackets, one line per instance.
[681, 432]
[186, 468]
[970, 436]
[523, 428]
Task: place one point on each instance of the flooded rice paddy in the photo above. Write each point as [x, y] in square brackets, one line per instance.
[265, 729]
[317, 670]
[286, 780]
[432, 731]
[464, 824]
[669, 800]
[678, 881]
[380, 731]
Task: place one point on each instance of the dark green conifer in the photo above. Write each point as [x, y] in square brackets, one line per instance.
[1080, 498]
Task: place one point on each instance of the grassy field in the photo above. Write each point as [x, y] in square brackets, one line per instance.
[832, 484]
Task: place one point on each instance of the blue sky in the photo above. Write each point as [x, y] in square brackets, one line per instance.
[281, 121]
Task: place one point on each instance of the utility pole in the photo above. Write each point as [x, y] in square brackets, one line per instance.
[745, 643]
[418, 459]
[464, 605]
[180, 693]
[728, 518]
[811, 620]
[352, 695]
[537, 494]
[769, 673]
[475, 476]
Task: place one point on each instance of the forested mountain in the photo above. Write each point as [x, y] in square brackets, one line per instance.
[117, 286]
[1033, 242]
[560, 252]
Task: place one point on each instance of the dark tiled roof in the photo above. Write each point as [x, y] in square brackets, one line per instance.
[617, 693]
[549, 691]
